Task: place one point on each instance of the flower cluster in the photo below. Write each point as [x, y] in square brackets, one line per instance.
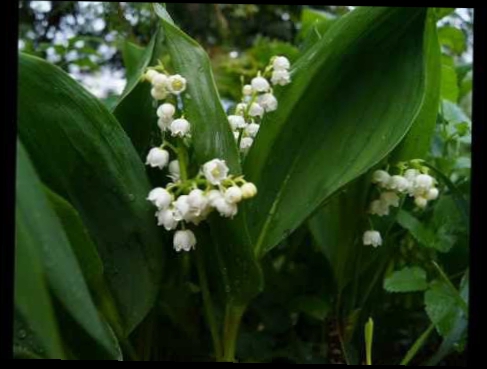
[164, 84]
[258, 99]
[413, 180]
[192, 200]
[184, 200]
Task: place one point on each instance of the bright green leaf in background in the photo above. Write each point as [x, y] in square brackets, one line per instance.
[408, 279]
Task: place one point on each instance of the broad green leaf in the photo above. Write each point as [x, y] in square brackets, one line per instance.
[87, 255]
[335, 227]
[314, 24]
[418, 140]
[453, 38]
[406, 280]
[38, 224]
[418, 230]
[458, 333]
[81, 152]
[32, 297]
[230, 249]
[338, 118]
[443, 308]
[136, 109]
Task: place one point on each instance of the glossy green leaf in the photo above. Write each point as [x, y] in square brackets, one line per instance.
[230, 249]
[32, 297]
[59, 263]
[82, 153]
[87, 255]
[442, 306]
[335, 228]
[338, 118]
[418, 230]
[406, 280]
[418, 140]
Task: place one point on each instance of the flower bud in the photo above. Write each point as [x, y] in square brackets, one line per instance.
[248, 190]
[268, 102]
[236, 121]
[280, 77]
[166, 110]
[165, 217]
[233, 194]
[247, 90]
[281, 63]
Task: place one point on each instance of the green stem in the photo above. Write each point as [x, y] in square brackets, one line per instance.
[233, 316]
[208, 305]
[183, 160]
[369, 335]
[417, 346]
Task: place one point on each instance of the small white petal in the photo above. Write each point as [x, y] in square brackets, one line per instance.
[372, 238]
[176, 84]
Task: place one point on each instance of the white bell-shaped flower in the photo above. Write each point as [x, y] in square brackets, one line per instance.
[248, 190]
[181, 208]
[245, 144]
[176, 84]
[268, 102]
[166, 110]
[381, 177]
[180, 127]
[150, 74]
[236, 122]
[157, 157]
[247, 90]
[233, 194]
[159, 81]
[225, 208]
[420, 202]
[390, 198]
[215, 171]
[214, 195]
[280, 77]
[158, 94]
[379, 207]
[398, 183]
[252, 129]
[241, 108]
[256, 110]
[197, 201]
[432, 194]
[260, 84]
[160, 197]
[164, 123]
[423, 182]
[411, 174]
[165, 217]
[184, 240]
[372, 238]
[281, 63]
